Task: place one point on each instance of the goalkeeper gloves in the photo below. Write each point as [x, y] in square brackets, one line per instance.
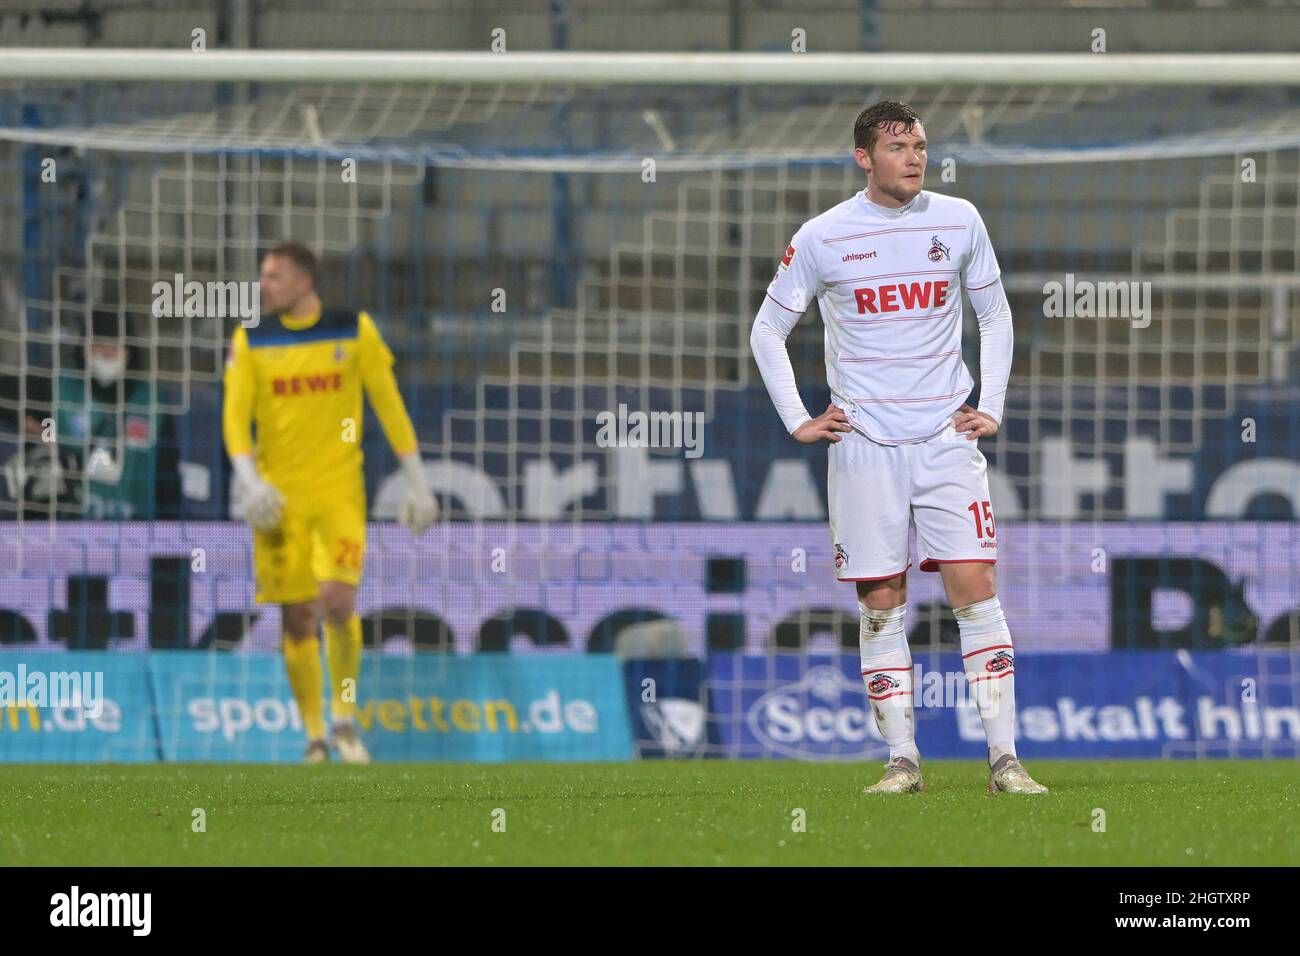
[419, 508]
[263, 504]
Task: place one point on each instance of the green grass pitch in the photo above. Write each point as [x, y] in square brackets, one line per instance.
[648, 813]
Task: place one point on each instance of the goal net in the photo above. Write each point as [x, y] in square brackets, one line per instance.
[547, 256]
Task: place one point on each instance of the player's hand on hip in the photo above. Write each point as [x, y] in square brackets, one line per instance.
[973, 424]
[825, 427]
[419, 508]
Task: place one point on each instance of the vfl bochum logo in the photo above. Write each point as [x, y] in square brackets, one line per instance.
[938, 250]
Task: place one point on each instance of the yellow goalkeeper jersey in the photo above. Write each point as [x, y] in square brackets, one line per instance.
[300, 380]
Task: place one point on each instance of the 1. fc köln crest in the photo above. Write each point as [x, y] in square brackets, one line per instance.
[938, 250]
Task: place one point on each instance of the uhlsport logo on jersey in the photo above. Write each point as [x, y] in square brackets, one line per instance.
[818, 717]
[938, 250]
[858, 256]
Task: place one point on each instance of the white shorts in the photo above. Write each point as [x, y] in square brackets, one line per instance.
[877, 491]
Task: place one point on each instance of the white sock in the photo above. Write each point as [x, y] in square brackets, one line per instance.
[887, 674]
[990, 665]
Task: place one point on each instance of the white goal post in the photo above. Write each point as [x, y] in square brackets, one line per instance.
[660, 69]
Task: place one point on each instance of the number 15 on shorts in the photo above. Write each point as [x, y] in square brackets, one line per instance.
[982, 512]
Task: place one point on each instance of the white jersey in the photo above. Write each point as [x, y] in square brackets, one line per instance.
[889, 283]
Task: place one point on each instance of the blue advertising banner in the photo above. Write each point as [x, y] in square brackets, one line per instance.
[219, 707]
[87, 707]
[174, 706]
[1125, 704]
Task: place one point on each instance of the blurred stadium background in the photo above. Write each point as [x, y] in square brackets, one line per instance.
[539, 253]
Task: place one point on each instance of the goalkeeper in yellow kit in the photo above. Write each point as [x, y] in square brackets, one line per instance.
[298, 374]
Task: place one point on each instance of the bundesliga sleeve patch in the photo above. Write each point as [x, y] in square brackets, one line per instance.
[789, 254]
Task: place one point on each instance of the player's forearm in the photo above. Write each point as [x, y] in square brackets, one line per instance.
[767, 342]
[237, 426]
[996, 340]
[238, 387]
[381, 388]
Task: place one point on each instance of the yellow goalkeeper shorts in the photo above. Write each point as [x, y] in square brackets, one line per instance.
[318, 540]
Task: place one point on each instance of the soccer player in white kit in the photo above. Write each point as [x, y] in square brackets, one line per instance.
[888, 267]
